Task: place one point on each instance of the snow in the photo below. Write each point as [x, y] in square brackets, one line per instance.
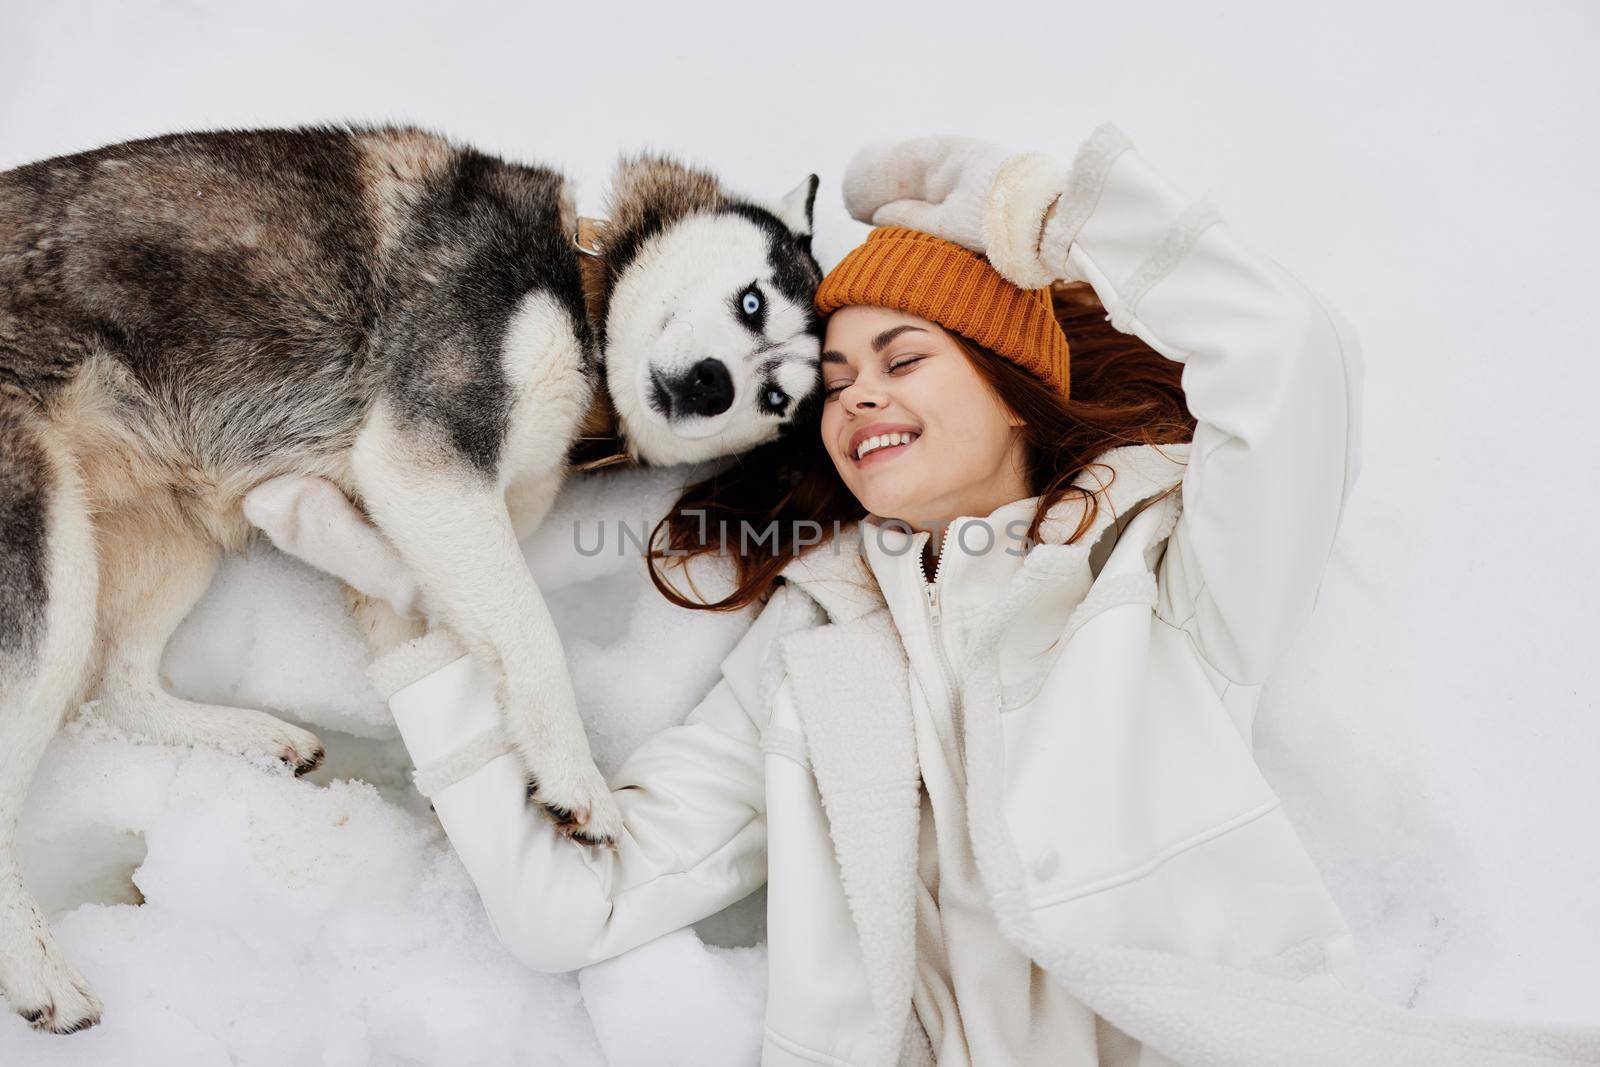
[1434, 734]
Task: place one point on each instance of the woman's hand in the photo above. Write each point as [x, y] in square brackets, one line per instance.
[311, 518]
[969, 191]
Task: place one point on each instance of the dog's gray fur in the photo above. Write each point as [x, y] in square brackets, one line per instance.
[184, 317]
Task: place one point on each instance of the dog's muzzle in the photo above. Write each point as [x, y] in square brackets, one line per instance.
[704, 390]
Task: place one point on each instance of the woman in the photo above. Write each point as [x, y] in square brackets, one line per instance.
[989, 746]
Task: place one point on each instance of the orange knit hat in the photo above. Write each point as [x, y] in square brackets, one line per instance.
[943, 282]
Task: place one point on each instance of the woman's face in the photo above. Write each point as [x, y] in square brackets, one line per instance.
[886, 371]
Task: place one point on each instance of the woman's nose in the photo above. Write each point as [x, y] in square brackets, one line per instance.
[862, 395]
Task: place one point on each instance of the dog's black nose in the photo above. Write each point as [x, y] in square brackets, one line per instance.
[706, 389]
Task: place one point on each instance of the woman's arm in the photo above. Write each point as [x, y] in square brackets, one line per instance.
[692, 797]
[1272, 374]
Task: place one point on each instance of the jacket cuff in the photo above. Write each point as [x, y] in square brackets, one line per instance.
[1024, 187]
[446, 707]
[1087, 178]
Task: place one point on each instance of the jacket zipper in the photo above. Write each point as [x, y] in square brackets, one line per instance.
[952, 694]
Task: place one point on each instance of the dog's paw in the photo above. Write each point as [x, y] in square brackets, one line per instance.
[43, 988]
[167, 720]
[563, 780]
[271, 738]
[560, 773]
[584, 812]
[305, 763]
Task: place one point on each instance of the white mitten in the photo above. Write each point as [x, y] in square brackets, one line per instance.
[965, 190]
[309, 517]
[938, 185]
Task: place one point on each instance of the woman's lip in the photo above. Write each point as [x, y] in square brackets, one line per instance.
[887, 451]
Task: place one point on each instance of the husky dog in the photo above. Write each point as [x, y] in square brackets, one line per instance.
[185, 317]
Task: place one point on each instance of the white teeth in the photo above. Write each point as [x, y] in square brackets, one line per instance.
[883, 440]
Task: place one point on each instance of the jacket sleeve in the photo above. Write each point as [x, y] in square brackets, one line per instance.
[1272, 374]
[692, 797]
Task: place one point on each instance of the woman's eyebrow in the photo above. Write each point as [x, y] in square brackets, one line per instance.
[878, 342]
[890, 334]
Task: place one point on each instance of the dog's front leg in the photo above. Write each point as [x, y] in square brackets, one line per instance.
[450, 524]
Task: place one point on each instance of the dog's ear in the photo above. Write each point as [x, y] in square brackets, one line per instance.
[794, 208]
[653, 183]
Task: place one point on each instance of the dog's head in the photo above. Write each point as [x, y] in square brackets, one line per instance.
[709, 337]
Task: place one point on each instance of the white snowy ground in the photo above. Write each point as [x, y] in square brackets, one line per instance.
[1429, 167]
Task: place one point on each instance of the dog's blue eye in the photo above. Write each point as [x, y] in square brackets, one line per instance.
[751, 302]
[775, 398]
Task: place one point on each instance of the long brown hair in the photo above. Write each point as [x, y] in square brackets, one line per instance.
[1122, 392]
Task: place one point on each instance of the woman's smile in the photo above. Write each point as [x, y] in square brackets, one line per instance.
[874, 443]
[882, 453]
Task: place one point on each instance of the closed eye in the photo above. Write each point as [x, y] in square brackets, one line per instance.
[897, 365]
